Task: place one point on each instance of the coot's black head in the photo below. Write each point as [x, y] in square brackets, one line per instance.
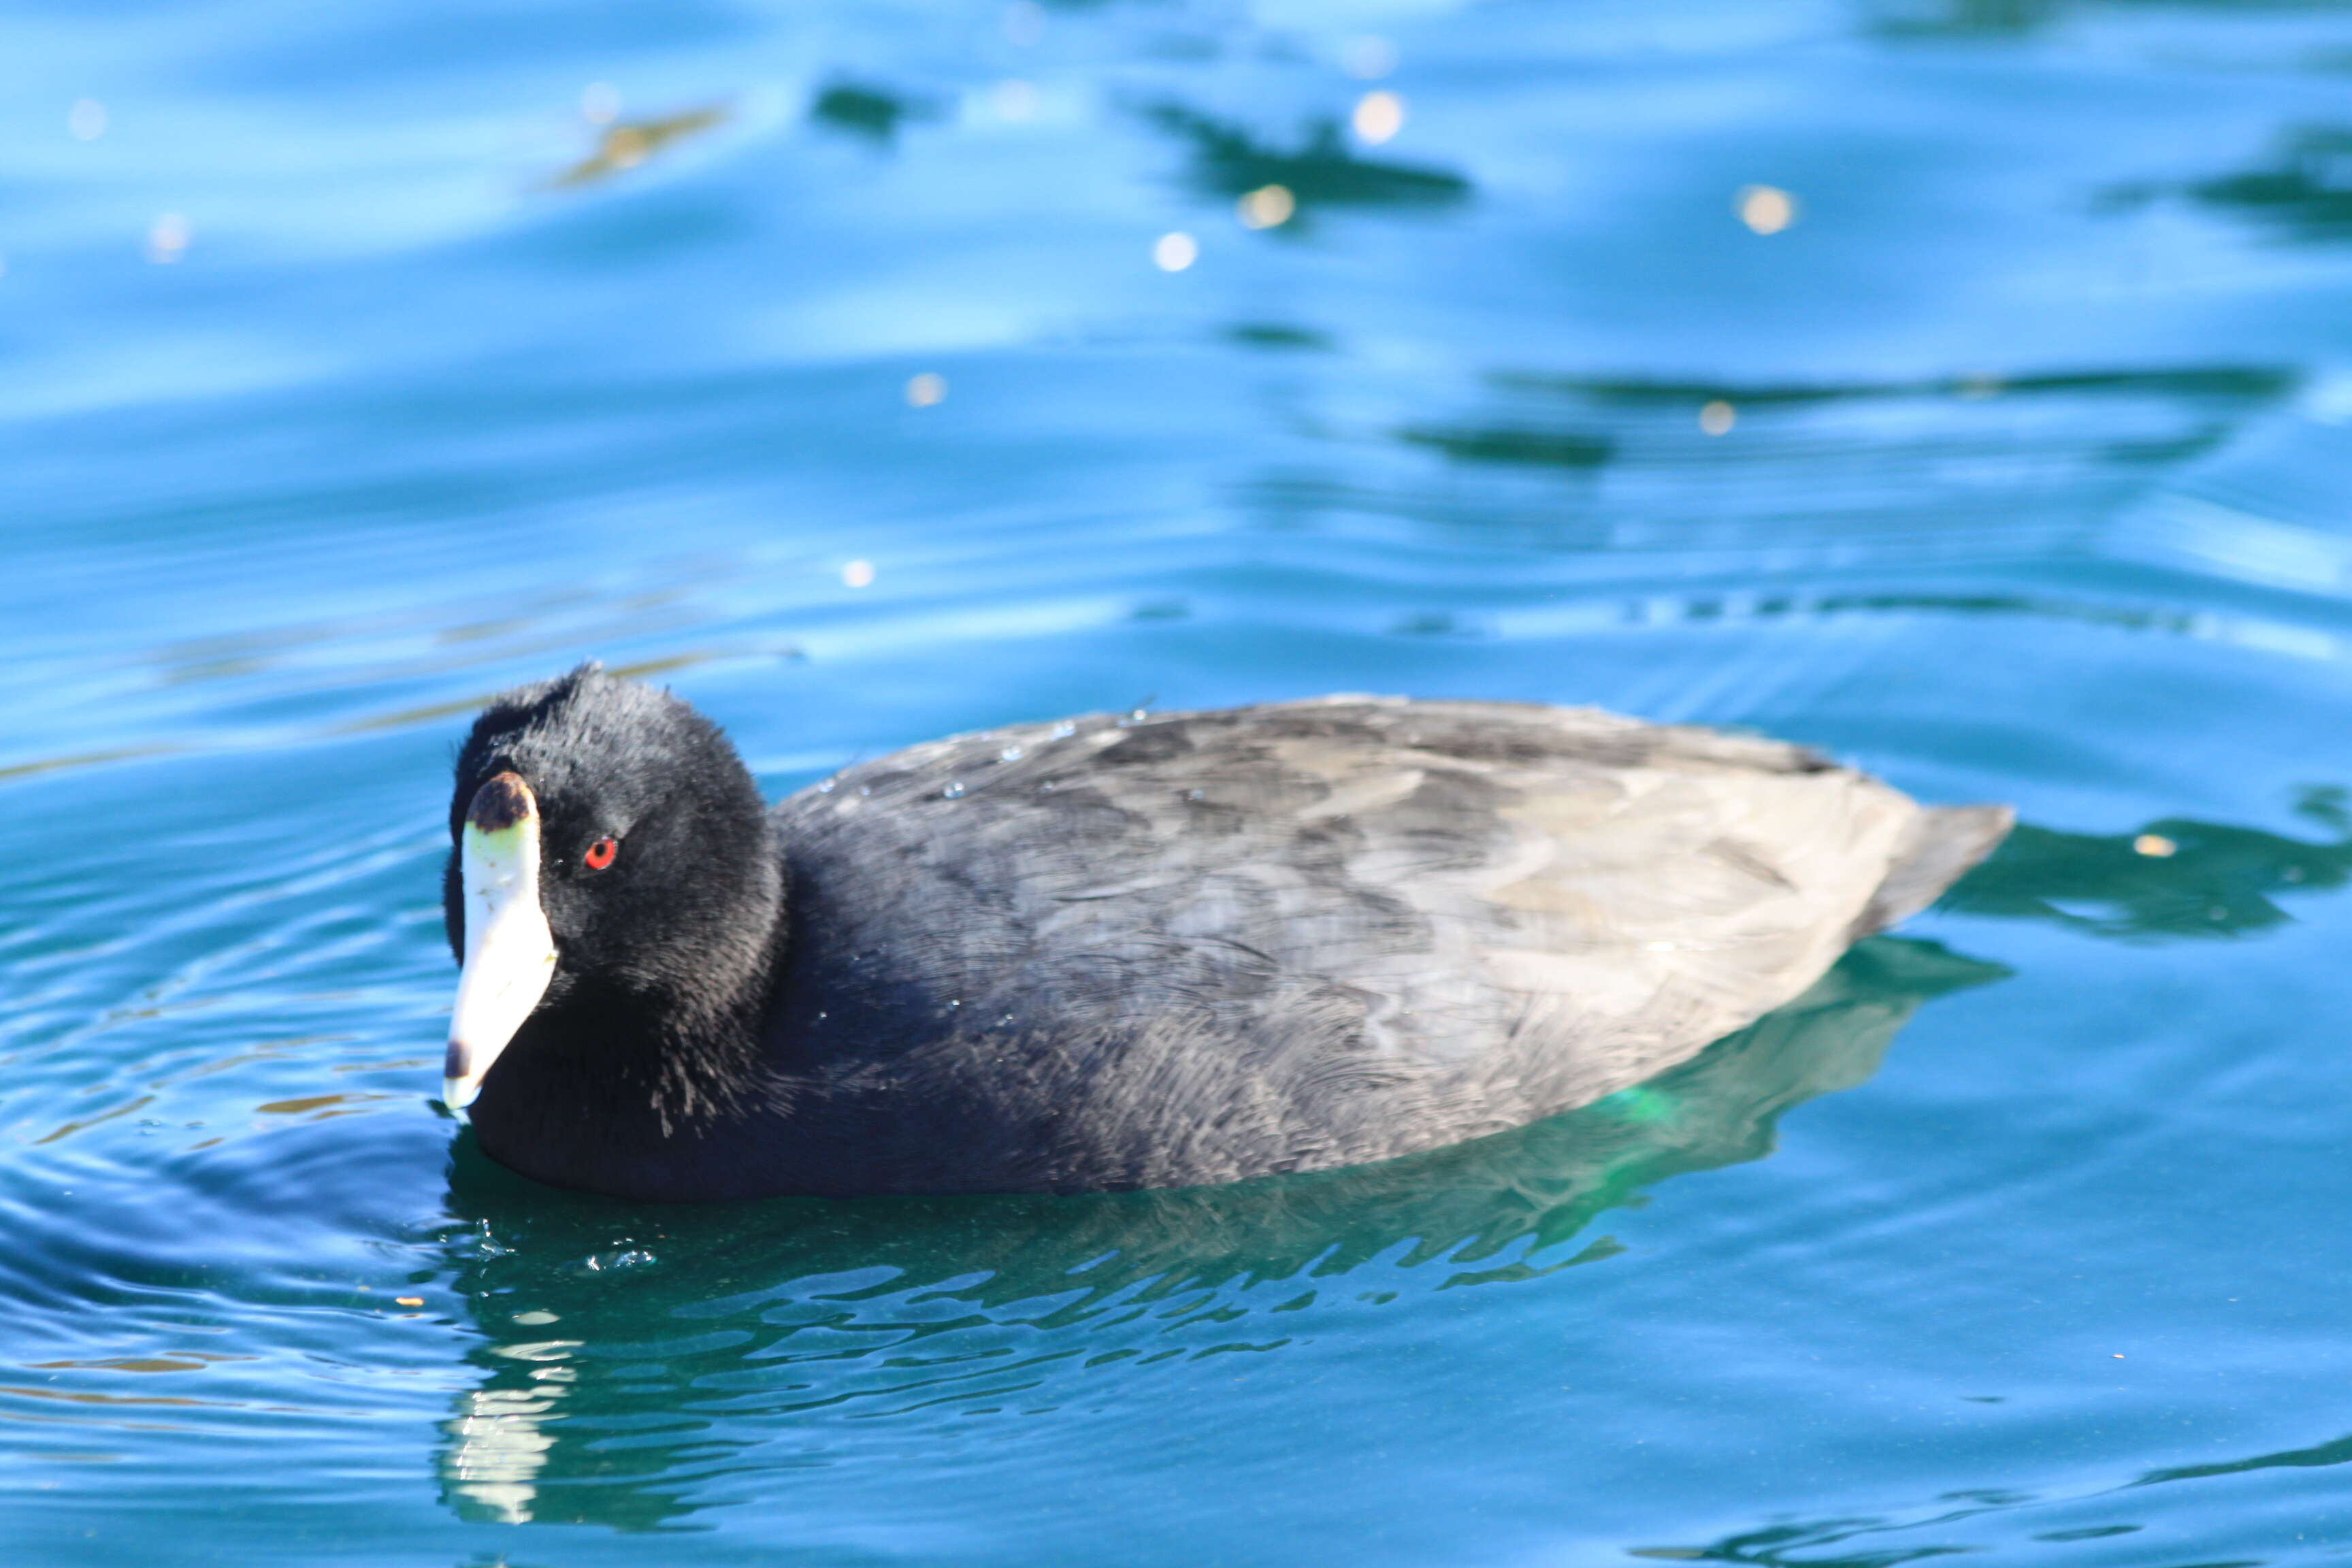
[612, 876]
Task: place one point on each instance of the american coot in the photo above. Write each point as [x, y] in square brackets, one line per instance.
[1124, 953]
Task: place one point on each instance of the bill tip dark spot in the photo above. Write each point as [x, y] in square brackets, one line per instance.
[501, 802]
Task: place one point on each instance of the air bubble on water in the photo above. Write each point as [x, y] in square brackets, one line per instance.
[611, 1262]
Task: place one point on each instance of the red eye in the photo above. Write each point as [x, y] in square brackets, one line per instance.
[600, 854]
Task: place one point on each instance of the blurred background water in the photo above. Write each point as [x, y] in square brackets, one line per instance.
[1961, 385]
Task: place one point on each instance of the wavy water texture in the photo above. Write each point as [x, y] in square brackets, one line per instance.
[1960, 386]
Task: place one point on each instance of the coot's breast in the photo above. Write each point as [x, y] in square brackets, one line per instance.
[1195, 947]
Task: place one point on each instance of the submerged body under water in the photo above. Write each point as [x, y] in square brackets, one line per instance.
[1958, 389]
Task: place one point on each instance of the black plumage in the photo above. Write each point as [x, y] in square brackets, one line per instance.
[1154, 951]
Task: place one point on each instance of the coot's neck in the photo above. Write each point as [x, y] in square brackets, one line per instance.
[614, 1078]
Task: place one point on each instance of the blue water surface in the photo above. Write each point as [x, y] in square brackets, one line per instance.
[1963, 386]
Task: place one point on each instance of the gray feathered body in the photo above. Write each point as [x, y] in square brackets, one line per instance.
[1197, 947]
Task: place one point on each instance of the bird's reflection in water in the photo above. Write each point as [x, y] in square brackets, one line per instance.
[632, 1351]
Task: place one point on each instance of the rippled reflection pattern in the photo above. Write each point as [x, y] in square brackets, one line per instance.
[826, 1310]
[1958, 386]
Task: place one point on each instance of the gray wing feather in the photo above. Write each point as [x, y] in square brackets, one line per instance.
[1382, 924]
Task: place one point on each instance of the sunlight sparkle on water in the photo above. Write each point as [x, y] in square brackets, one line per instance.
[1717, 417]
[1379, 116]
[1268, 206]
[1765, 209]
[925, 390]
[1174, 252]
